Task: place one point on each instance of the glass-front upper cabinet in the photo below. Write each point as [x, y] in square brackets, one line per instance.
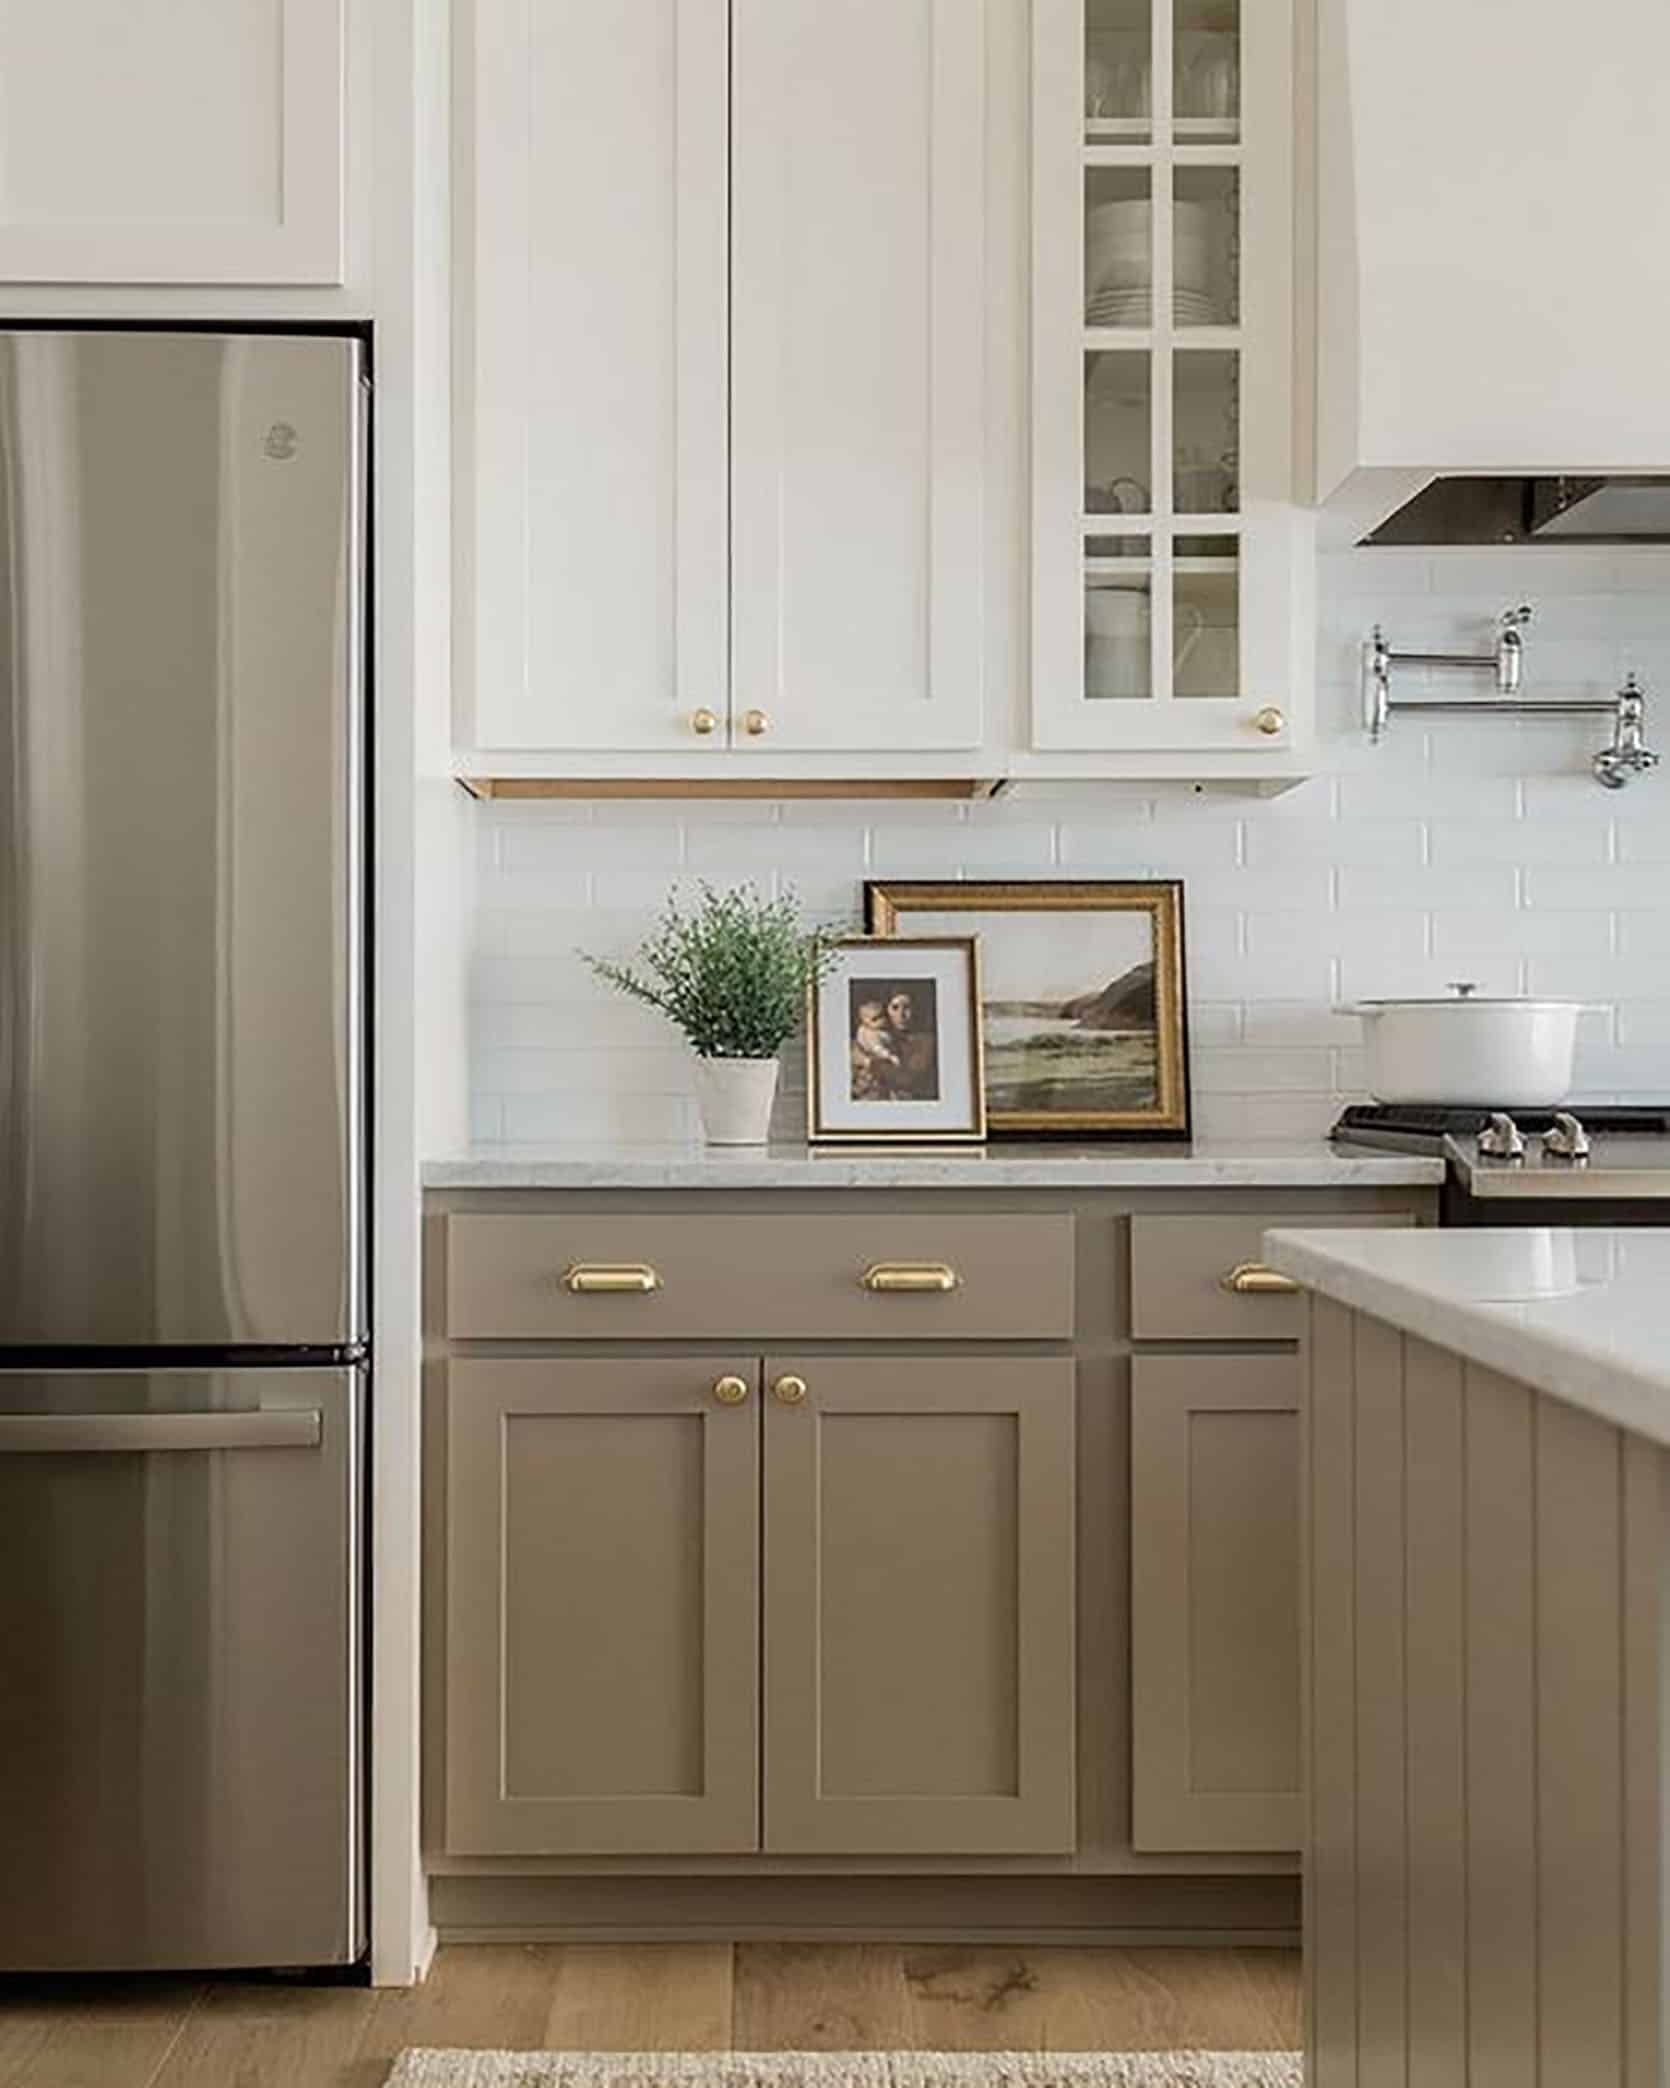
[1170, 562]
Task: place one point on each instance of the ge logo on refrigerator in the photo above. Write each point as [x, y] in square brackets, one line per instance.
[281, 442]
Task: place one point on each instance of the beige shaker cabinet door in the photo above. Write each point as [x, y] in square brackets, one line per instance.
[919, 1553]
[602, 1623]
[1215, 1603]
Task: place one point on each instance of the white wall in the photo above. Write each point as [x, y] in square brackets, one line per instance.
[1460, 849]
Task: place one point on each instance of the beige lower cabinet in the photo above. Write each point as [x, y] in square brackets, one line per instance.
[602, 1690]
[1215, 1602]
[919, 1636]
[603, 1615]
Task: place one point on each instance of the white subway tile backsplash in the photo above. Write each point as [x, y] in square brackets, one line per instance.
[1620, 888]
[1388, 844]
[1012, 848]
[1459, 848]
[736, 852]
[1290, 1025]
[1249, 1072]
[1645, 1022]
[1527, 932]
[1646, 841]
[1339, 933]
[628, 844]
[1170, 847]
[1433, 890]
[1539, 841]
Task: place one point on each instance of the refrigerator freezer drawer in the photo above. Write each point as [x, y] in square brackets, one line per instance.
[180, 1679]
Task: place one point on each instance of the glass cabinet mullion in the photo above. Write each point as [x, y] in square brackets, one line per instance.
[1160, 92]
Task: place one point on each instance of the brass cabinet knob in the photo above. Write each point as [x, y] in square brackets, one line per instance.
[756, 724]
[789, 1391]
[730, 1391]
[1256, 1280]
[704, 723]
[1269, 721]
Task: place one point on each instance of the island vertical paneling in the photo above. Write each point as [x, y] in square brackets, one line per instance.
[1484, 1662]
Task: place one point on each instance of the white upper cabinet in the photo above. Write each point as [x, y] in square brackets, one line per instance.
[591, 373]
[171, 141]
[1494, 244]
[858, 186]
[719, 413]
[1170, 562]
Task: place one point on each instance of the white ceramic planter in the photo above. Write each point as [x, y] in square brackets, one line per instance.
[735, 1096]
[1492, 1054]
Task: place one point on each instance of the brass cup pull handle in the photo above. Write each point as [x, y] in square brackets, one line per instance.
[731, 1391]
[610, 1279]
[1258, 1280]
[789, 1391]
[918, 1277]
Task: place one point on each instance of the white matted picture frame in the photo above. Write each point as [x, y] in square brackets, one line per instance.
[894, 1045]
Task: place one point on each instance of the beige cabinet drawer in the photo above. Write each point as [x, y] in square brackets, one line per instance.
[1180, 1271]
[796, 1277]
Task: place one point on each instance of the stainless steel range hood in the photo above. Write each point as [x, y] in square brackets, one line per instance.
[1566, 510]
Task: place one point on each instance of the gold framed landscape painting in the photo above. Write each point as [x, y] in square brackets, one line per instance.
[1082, 999]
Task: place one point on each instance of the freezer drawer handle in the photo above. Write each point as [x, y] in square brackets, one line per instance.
[284, 1428]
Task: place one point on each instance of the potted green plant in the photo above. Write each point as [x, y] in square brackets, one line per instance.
[733, 973]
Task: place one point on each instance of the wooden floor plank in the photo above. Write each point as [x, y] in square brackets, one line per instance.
[483, 1996]
[245, 2034]
[669, 1997]
[1117, 2000]
[666, 1997]
[976, 1999]
[102, 2033]
[821, 1997]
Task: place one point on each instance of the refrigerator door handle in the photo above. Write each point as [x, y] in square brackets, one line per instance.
[284, 1428]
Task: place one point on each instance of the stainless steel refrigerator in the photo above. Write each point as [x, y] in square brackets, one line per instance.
[183, 1286]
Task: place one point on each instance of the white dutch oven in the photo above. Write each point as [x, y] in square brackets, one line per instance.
[1495, 1054]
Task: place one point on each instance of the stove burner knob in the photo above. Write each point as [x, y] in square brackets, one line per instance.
[1501, 1138]
[1567, 1140]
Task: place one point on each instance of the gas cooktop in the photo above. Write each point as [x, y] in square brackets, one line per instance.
[1610, 1151]
[1436, 1121]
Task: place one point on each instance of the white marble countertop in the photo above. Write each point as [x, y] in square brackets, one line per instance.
[1205, 1164]
[1583, 1314]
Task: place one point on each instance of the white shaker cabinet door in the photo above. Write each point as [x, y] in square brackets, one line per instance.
[857, 431]
[590, 240]
[171, 141]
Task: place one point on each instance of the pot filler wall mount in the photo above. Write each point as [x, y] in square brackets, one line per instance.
[1614, 766]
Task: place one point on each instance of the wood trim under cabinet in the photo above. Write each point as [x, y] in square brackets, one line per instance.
[725, 787]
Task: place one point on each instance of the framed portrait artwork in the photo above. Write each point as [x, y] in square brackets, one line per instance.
[1082, 999]
[894, 1044]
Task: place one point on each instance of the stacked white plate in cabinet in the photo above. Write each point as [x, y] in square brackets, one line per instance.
[1117, 246]
[1136, 308]
[1119, 271]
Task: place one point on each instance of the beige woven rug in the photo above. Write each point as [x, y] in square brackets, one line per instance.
[419, 2069]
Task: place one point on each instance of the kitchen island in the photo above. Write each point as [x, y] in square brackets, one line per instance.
[1488, 1589]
